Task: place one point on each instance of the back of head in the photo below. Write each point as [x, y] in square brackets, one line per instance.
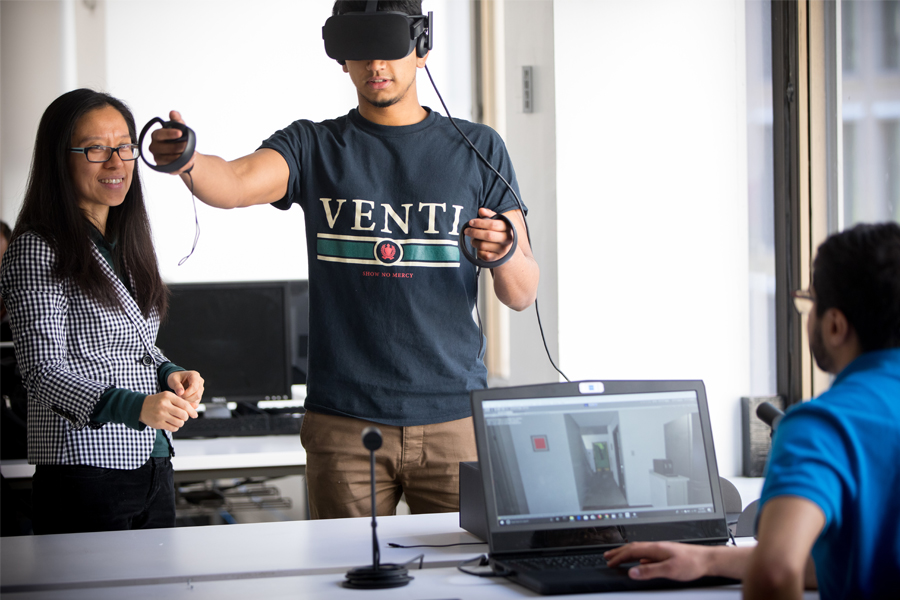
[409, 7]
[857, 271]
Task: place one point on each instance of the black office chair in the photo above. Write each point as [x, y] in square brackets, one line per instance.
[13, 404]
[733, 503]
[746, 525]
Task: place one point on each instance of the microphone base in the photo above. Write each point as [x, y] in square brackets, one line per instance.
[372, 578]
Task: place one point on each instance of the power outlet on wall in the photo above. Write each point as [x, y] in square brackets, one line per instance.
[528, 89]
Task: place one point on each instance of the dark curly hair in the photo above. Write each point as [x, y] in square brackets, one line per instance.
[857, 271]
[410, 7]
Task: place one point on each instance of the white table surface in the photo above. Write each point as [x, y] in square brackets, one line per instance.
[225, 552]
[239, 452]
[210, 454]
[437, 583]
[297, 559]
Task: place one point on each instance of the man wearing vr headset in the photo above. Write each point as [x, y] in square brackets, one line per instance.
[386, 192]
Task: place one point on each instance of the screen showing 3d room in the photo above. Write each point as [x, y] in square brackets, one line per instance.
[595, 461]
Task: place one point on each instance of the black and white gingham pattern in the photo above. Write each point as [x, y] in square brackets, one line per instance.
[71, 350]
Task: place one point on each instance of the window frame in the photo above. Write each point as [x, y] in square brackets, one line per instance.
[807, 135]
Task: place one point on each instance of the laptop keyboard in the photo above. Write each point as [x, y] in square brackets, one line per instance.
[556, 563]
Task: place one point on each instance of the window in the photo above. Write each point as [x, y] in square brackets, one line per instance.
[761, 202]
[870, 94]
[838, 63]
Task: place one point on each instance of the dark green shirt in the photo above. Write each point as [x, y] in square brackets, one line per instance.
[118, 405]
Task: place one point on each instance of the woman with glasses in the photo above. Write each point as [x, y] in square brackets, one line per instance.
[82, 286]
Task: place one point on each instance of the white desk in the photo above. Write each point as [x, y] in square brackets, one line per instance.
[299, 559]
[225, 552]
[269, 456]
[219, 458]
[446, 582]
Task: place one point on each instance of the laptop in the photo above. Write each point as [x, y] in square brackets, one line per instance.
[571, 470]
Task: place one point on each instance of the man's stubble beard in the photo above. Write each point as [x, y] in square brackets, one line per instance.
[391, 101]
[383, 103]
[817, 347]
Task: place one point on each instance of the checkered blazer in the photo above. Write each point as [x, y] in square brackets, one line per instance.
[71, 350]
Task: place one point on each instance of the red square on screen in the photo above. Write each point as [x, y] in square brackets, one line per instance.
[539, 443]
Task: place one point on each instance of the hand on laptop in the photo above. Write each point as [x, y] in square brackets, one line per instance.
[682, 562]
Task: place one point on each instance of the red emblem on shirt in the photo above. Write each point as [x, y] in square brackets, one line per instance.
[388, 252]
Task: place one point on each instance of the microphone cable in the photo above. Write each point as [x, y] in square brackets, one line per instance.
[482, 561]
[393, 545]
[524, 220]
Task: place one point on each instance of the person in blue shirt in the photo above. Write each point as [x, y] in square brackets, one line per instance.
[830, 507]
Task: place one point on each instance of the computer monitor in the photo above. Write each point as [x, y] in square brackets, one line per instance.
[247, 339]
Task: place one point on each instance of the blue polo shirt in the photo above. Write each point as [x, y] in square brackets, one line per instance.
[842, 452]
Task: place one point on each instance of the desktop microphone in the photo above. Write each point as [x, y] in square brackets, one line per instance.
[769, 414]
[371, 439]
[377, 576]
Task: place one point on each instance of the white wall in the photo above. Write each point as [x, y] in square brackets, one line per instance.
[21, 23]
[46, 48]
[648, 192]
[652, 198]
[528, 39]
[237, 71]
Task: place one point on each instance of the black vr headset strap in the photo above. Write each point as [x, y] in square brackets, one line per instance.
[371, 6]
[420, 31]
[429, 43]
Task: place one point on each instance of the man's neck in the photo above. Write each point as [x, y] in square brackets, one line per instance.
[406, 112]
[845, 355]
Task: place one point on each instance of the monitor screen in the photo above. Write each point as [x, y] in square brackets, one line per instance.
[592, 464]
[628, 457]
[246, 339]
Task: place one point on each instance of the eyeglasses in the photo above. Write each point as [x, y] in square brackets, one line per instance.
[803, 301]
[101, 154]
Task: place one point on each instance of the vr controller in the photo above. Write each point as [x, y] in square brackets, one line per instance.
[187, 135]
[485, 264]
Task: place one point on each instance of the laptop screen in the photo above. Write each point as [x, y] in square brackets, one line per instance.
[618, 461]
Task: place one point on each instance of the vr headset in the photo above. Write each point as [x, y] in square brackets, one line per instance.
[373, 35]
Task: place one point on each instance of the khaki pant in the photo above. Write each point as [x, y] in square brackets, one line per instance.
[420, 461]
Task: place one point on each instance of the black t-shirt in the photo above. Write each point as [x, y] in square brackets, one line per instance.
[391, 338]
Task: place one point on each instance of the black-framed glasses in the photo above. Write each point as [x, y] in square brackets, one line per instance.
[101, 154]
[803, 301]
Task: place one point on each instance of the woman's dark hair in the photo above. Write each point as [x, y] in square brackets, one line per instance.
[51, 210]
[409, 7]
[857, 271]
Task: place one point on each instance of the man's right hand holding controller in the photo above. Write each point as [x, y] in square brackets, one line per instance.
[163, 150]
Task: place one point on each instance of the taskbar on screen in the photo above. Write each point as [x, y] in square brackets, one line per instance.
[609, 517]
